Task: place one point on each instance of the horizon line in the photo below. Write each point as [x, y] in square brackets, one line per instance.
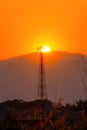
[13, 57]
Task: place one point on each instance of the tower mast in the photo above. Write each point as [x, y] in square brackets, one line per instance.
[42, 90]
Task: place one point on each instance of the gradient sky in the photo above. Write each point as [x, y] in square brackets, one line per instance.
[25, 24]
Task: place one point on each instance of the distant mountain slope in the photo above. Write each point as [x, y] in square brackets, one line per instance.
[64, 71]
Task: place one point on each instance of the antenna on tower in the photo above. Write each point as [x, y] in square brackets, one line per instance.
[42, 89]
[84, 79]
[83, 72]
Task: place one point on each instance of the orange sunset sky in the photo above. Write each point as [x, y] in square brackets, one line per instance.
[26, 24]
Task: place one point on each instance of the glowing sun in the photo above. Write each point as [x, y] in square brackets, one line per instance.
[45, 49]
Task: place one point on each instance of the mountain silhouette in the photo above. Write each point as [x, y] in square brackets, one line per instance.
[65, 77]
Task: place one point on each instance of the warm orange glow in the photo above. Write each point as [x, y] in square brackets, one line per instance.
[24, 25]
[45, 49]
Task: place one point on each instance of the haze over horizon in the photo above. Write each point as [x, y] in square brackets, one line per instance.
[19, 77]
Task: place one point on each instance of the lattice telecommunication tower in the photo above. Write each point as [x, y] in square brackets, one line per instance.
[42, 89]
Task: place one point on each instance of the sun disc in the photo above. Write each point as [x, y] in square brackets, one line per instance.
[45, 49]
